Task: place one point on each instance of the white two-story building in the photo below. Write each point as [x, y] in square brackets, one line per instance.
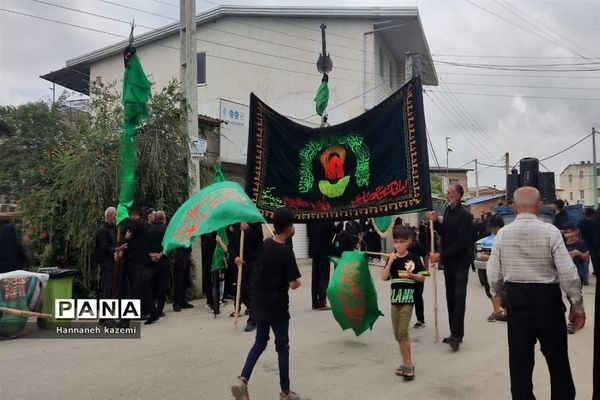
[272, 51]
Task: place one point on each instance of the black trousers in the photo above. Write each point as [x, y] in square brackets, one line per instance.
[537, 312]
[456, 276]
[181, 278]
[131, 280]
[320, 281]
[105, 284]
[419, 306]
[156, 282]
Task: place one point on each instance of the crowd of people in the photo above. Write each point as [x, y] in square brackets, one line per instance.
[530, 262]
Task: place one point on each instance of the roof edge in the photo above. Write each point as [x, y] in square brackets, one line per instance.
[223, 11]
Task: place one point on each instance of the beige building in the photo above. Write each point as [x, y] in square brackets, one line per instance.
[576, 183]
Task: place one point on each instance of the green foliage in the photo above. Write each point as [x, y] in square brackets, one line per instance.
[66, 175]
[436, 185]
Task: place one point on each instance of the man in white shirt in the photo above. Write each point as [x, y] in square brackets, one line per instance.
[528, 267]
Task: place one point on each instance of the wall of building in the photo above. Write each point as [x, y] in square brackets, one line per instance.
[576, 181]
[483, 207]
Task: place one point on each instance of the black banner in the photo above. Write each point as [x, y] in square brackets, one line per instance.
[375, 164]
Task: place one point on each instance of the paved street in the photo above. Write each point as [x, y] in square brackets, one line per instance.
[191, 355]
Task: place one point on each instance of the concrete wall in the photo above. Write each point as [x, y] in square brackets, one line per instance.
[576, 178]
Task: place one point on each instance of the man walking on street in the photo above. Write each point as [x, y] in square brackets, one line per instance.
[456, 255]
[528, 266]
[320, 236]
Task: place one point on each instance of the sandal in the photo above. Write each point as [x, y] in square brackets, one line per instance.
[407, 373]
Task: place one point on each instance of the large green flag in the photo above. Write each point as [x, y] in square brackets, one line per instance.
[352, 294]
[136, 92]
[216, 206]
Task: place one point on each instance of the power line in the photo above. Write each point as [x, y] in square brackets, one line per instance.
[432, 148]
[528, 18]
[519, 86]
[166, 4]
[446, 112]
[568, 148]
[464, 115]
[474, 123]
[521, 27]
[519, 75]
[138, 10]
[511, 57]
[528, 65]
[519, 95]
[62, 22]
[506, 68]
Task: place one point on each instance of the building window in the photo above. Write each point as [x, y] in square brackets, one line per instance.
[580, 174]
[400, 76]
[571, 196]
[570, 177]
[381, 62]
[597, 171]
[201, 68]
[582, 194]
[391, 77]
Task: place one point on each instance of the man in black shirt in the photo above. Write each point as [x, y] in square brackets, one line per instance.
[456, 254]
[156, 271]
[320, 235]
[560, 216]
[106, 246]
[135, 257]
[272, 278]
[181, 277]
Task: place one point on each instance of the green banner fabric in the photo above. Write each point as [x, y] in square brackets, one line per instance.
[216, 206]
[375, 164]
[136, 92]
[322, 98]
[352, 294]
[382, 224]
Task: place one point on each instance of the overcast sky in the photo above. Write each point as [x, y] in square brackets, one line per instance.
[482, 126]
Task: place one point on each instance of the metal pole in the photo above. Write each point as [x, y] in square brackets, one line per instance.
[447, 162]
[507, 163]
[594, 171]
[188, 77]
[476, 180]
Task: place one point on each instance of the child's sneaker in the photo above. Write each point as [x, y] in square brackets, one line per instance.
[240, 391]
[291, 396]
[419, 324]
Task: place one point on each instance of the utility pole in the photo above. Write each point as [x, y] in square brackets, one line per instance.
[507, 163]
[476, 180]
[594, 171]
[448, 150]
[188, 76]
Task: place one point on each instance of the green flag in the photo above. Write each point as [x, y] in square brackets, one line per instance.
[382, 224]
[352, 294]
[136, 92]
[322, 97]
[216, 206]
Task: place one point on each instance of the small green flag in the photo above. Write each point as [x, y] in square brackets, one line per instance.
[352, 294]
[322, 97]
[382, 224]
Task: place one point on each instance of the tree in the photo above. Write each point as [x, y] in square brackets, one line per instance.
[66, 176]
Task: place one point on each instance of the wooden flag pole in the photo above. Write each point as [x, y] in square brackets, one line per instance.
[434, 276]
[374, 253]
[239, 280]
[23, 313]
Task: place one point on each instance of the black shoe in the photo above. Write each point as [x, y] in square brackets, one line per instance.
[176, 308]
[145, 317]
[151, 320]
[447, 339]
[162, 314]
[249, 328]
[187, 305]
[454, 343]
[247, 312]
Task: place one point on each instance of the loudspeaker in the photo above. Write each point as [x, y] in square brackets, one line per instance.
[529, 172]
[512, 184]
[547, 187]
